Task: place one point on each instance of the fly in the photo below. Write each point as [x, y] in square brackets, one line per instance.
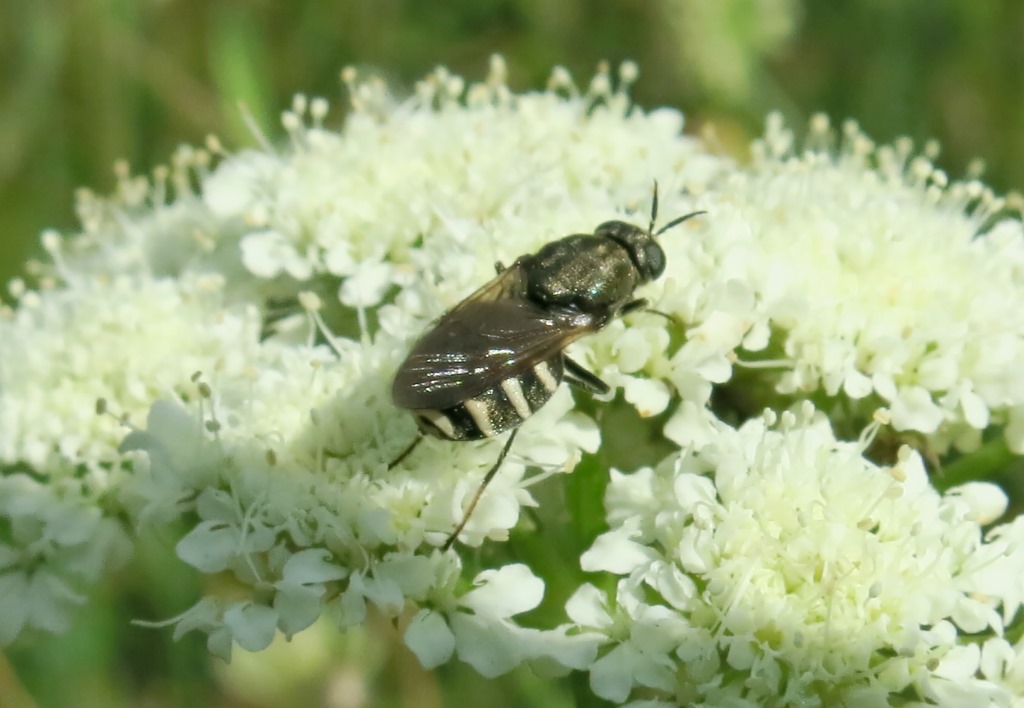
[499, 355]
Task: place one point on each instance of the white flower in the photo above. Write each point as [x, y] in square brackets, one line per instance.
[484, 636]
[57, 544]
[646, 635]
[128, 340]
[880, 276]
[1003, 664]
[797, 565]
[478, 627]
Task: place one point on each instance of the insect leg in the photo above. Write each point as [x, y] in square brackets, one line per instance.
[479, 492]
[641, 304]
[633, 306]
[499, 267]
[576, 375]
[406, 452]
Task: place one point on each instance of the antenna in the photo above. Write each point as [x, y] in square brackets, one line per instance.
[654, 210]
[675, 222]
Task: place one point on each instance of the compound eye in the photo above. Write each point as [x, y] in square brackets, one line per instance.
[654, 260]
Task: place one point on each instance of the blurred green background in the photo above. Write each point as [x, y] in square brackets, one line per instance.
[86, 82]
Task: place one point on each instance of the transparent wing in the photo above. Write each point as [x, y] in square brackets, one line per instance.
[478, 345]
[509, 284]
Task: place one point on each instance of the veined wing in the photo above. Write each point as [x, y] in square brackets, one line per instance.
[478, 345]
[509, 284]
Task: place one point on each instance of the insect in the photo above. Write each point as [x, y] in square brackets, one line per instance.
[496, 357]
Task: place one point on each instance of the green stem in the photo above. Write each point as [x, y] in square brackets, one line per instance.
[985, 463]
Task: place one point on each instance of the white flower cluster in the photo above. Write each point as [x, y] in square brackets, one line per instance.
[887, 285]
[56, 542]
[242, 320]
[778, 566]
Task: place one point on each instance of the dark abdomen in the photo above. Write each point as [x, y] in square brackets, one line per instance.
[498, 409]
